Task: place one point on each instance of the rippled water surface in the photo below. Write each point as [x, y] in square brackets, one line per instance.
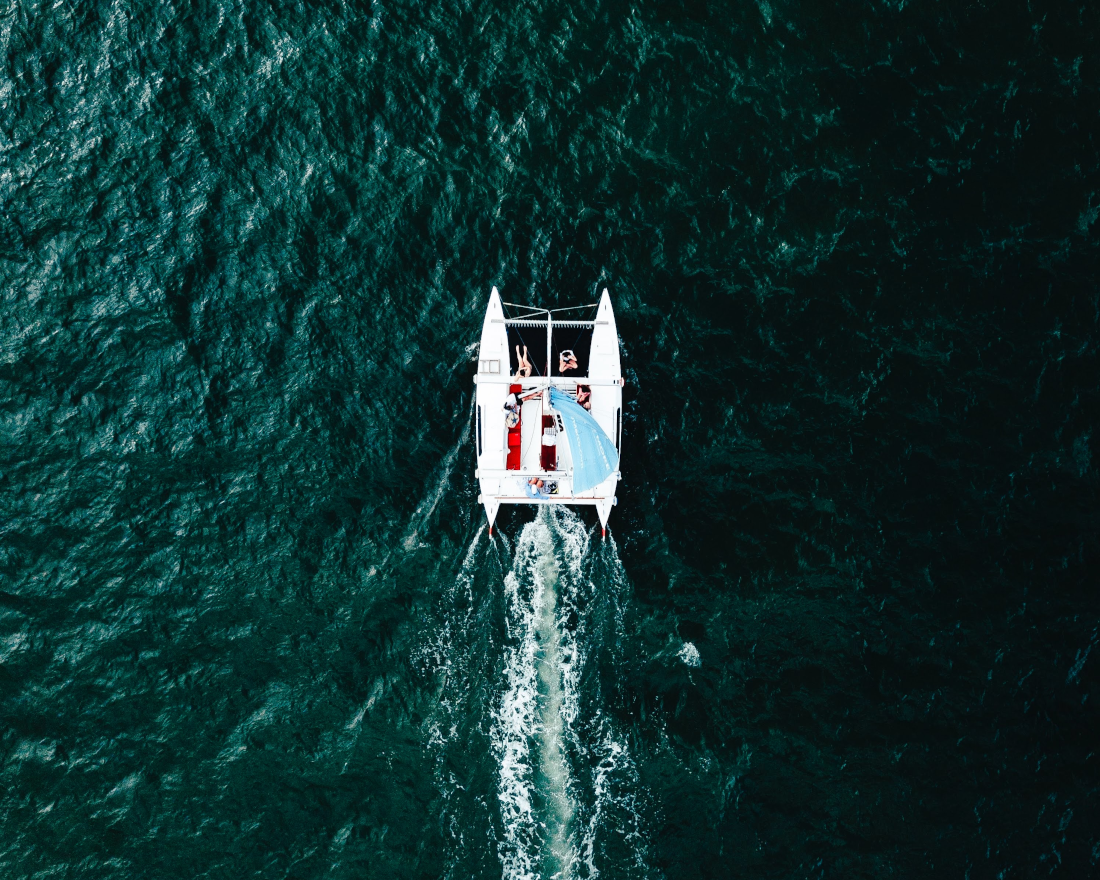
[845, 623]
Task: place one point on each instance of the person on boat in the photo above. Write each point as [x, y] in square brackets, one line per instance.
[513, 405]
[584, 396]
[539, 488]
[534, 487]
[523, 371]
[567, 361]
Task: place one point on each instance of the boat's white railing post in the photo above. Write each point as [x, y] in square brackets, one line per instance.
[549, 334]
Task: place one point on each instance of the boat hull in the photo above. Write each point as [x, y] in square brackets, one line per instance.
[508, 457]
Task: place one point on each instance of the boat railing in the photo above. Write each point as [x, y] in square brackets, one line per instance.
[542, 382]
[530, 322]
[536, 309]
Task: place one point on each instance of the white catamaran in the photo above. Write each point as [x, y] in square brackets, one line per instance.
[549, 408]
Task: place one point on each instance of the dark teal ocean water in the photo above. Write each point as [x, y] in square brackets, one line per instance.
[845, 624]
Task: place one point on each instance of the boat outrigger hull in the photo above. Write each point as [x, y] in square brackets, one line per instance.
[559, 445]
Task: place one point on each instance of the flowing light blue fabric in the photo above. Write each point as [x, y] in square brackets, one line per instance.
[594, 455]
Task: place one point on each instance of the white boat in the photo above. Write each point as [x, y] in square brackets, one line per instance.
[557, 451]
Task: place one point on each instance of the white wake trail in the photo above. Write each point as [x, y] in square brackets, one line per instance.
[533, 777]
[520, 702]
[427, 506]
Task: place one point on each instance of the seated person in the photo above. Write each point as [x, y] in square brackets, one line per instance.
[523, 370]
[567, 361]
[538, 488]
[513, 405]
[534, 487]
[584, 396]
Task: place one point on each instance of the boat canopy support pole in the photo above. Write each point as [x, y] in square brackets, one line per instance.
[549, 355]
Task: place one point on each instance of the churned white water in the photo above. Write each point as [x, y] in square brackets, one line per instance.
[689, 654]
[534, 782]
[565, 798]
